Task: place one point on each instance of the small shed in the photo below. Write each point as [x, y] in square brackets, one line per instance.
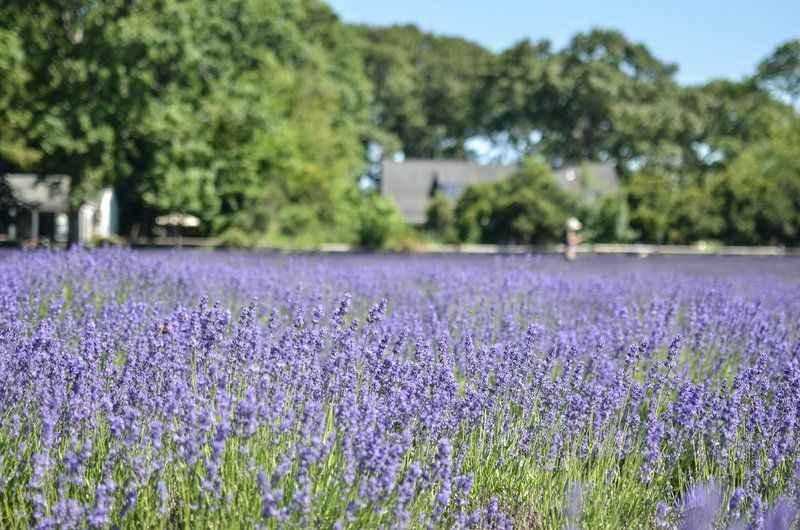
[37, 207]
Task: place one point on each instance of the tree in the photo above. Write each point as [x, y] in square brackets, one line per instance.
[265, 123]
[663, 211]
[651, 201]
[424, 87]
[255, 114]
[731, 116]
[517, 94]
[440, 219]
[760, 191]
[608, 220]
[231, 111]
[528, 208]
[695, 216]
[603, 76]
[780, 72]
[79, 97]
[473, 211]
[601, 97]
[378, 222]
[14, 152]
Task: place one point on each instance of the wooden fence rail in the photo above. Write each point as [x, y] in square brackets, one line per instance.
[435, 248]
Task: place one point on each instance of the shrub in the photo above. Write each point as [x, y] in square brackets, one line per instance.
[378, 222]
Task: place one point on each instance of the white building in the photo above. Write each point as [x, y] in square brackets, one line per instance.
[40, 206]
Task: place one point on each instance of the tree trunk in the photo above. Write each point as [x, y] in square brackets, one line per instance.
[73, 232]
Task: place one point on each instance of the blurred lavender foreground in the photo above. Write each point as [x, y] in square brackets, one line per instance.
[202, 390]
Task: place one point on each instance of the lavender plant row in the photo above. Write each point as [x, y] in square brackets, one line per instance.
[201, 390]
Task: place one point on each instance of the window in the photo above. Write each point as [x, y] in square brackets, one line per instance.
[451, 191]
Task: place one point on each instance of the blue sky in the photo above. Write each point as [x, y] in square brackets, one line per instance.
[706, 39]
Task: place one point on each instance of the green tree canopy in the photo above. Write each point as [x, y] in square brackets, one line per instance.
[600, 97]
[780, 72]
[731, 116]
[518, 94]
[424, 88]
[759, 193]
[254, 115]
[528, 207]
[440, 219]
[664, 211]
[14, 150]
[232, 111]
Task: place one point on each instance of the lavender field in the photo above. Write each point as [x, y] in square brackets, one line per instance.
[219, 390]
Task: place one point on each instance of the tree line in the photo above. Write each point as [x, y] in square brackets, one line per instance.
[259, 116]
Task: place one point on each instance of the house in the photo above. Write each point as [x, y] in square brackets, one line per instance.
[413, 183]
[37, 207]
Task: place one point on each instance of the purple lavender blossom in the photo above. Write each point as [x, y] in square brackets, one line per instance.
[440, 391]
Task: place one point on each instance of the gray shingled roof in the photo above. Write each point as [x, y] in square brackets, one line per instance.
[48, 193]
[410, 182]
